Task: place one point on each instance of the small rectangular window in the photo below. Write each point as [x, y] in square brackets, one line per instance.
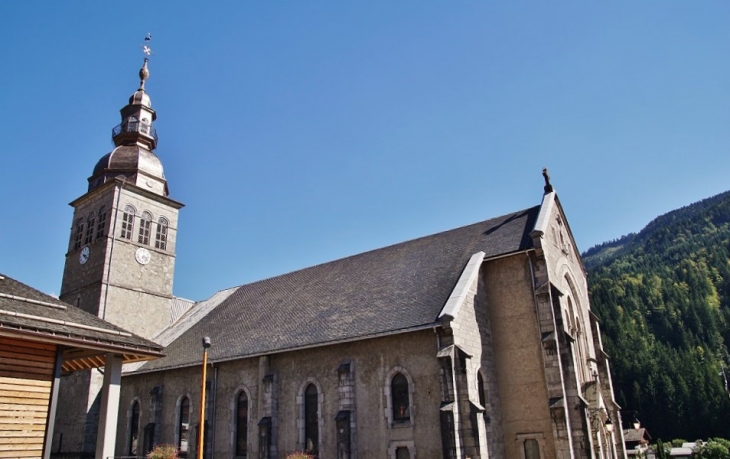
[532, 449]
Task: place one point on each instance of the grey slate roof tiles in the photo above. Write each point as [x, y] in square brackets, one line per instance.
[400, 287]
[23, 308]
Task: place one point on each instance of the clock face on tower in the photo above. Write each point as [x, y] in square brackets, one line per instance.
[84, 255]
[142, 256]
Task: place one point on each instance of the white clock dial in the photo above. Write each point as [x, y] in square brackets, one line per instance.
[84, 255]
[142, 256]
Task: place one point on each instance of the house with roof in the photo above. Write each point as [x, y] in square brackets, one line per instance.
[42, 339]
[635, 440]
[475, 342]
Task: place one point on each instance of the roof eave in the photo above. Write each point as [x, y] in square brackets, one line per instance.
[429, 326]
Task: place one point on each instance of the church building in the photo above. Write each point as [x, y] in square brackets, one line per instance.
[478, 342]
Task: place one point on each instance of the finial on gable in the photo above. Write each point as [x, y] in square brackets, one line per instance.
[548, 186]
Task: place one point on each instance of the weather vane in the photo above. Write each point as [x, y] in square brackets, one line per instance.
[146, 47]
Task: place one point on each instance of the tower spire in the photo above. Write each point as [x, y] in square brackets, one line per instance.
[135, 140]
[144, 72]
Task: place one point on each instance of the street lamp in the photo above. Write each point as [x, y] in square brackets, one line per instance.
[201, 446]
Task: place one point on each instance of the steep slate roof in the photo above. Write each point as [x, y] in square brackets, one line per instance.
[28, 314]
[396, 288]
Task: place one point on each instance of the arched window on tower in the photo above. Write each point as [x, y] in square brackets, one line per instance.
[78, 233]
[311, 419]
[242, 425]
[134, 430]
[145, 222]
[183, 427]
[90, 220]
[101, 223]
[161, 234]
[127, 222]
[401, 398]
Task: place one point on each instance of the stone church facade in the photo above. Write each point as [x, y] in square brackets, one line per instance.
[477, 342]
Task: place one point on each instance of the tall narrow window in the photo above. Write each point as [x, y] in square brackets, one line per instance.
[127, 222]
[242, 425]
[161, 234]
[402, 453]
[134, 430]
[480, 388]
[145, 222]
[311, 419]
[184, 427]
[101, 223]
[79, 234]
[90, 228]
[401, 398]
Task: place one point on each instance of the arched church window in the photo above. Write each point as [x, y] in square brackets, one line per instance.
[127, 222]
[311, 419]
[101, 223]
[401, 398]
[79, 233]
[183, 427]
[90, 228]
[145, 222]
[241, 425]
[161, 234]
[134, 429]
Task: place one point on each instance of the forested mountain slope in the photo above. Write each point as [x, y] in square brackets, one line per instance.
[663, 299]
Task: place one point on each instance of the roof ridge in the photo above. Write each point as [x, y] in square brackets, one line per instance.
[361, 254]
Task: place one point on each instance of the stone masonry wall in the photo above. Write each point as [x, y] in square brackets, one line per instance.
[518, 356]
[371, 360]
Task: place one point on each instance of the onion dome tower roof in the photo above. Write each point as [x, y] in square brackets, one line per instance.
[133, 158]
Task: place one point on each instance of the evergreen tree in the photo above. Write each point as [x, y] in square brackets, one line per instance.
[663, 299]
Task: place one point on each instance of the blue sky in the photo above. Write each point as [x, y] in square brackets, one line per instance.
[301, 132]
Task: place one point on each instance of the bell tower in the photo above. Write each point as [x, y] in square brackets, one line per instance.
[121, 256]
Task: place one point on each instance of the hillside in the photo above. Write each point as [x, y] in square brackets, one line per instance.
[663, 298]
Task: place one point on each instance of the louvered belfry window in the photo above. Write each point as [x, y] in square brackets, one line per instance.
[79, 234]
[101, 223]
[90, 228]
[145, 222]
[127, 222]
[161, 234]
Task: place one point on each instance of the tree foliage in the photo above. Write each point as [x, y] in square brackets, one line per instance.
[663, 298]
